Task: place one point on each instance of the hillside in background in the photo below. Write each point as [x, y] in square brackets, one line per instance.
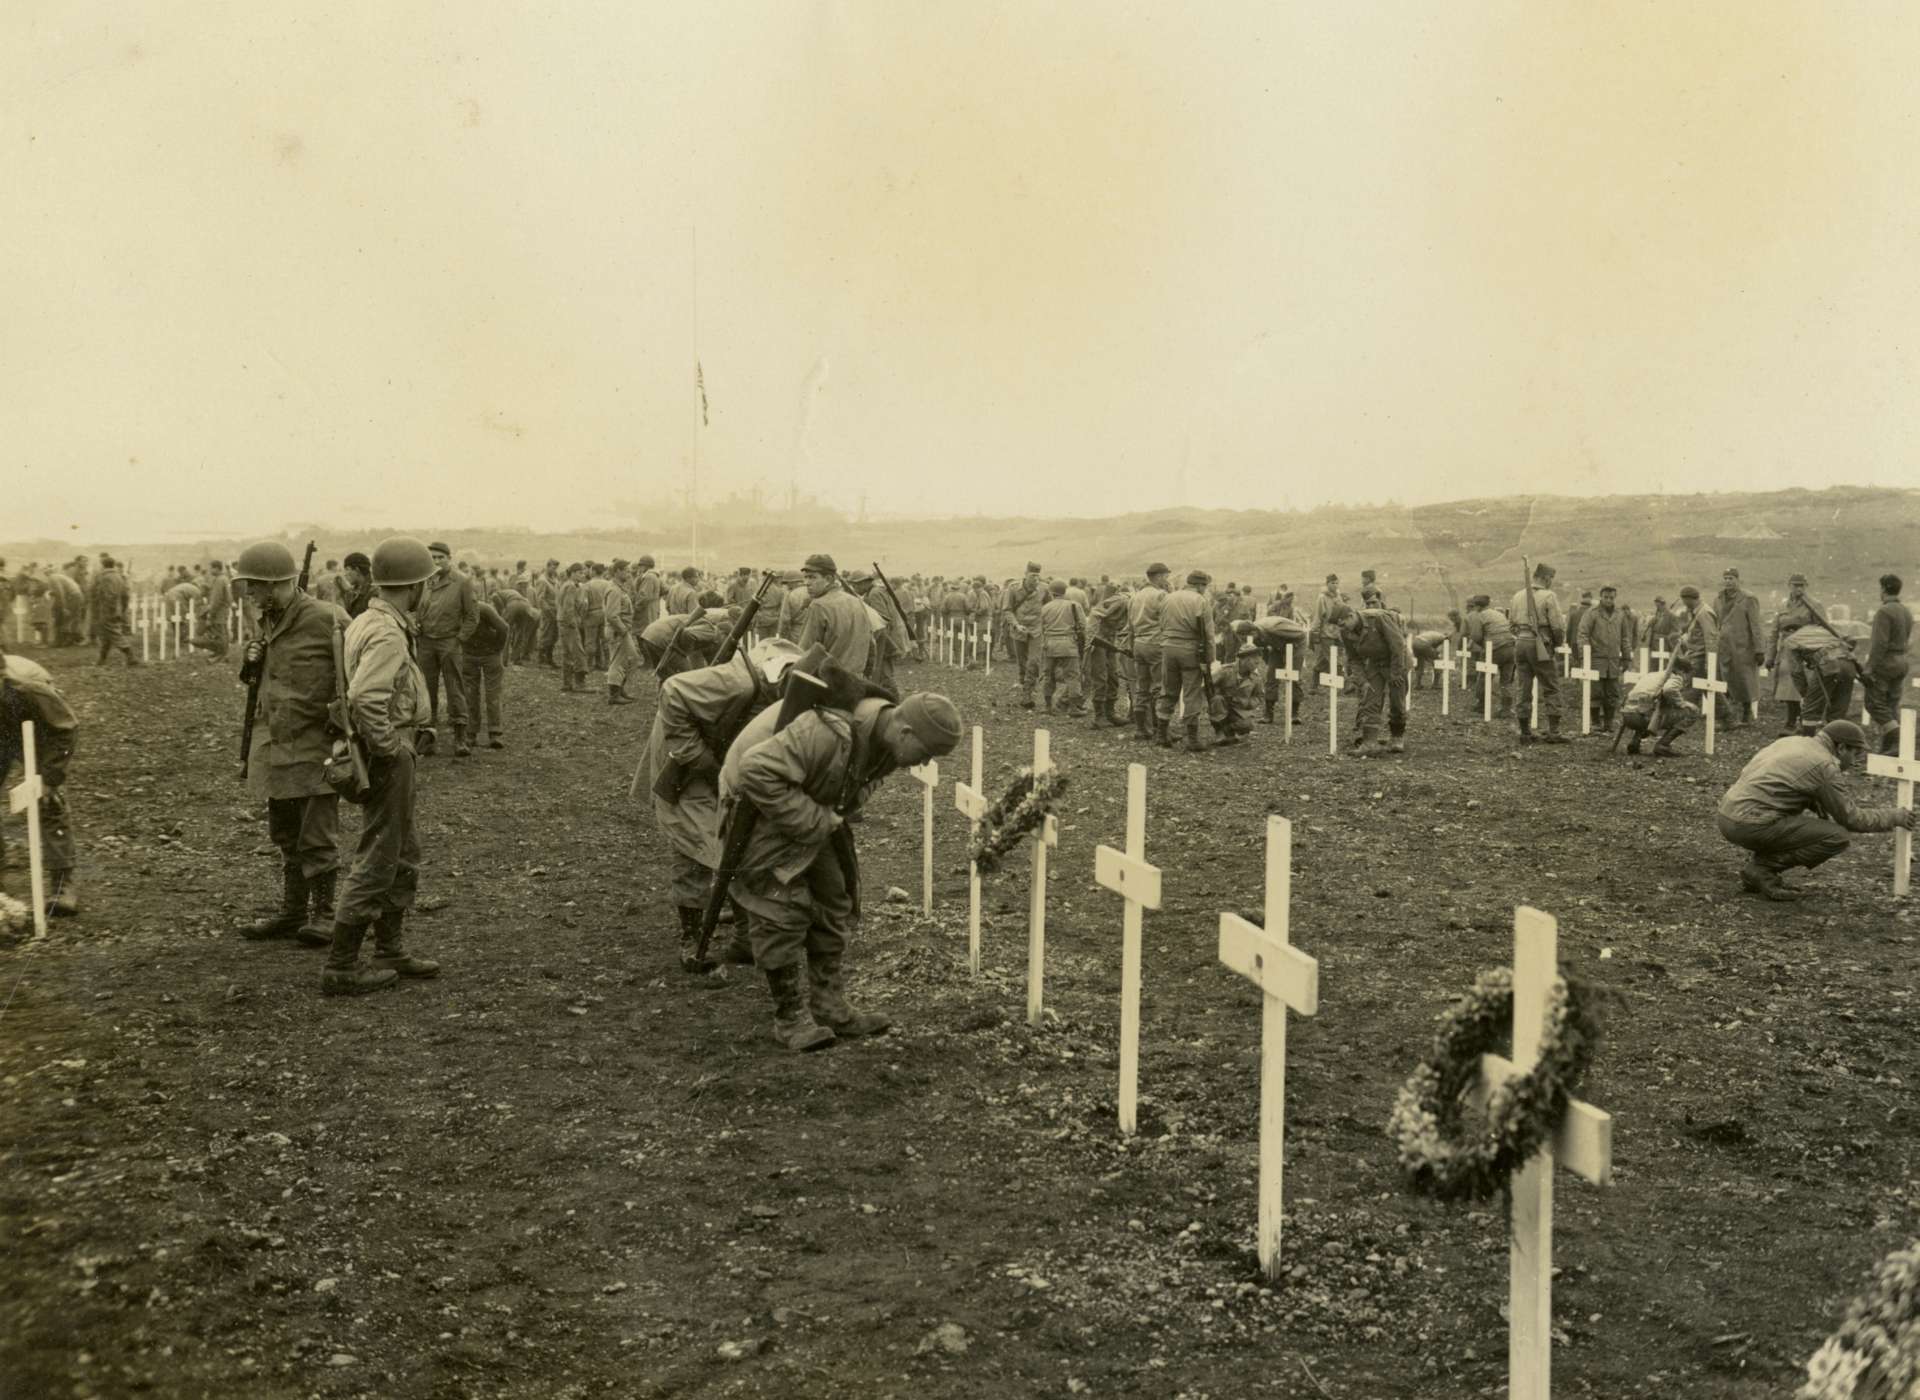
[1841, 538]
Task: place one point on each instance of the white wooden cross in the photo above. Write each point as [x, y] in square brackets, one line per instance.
[1045, 835]
[1713, 686]
[1466, 665]
[1903, 770]
[971, 803]
[1445, 674]
[1583, 1143]
[1586, 675]
[146, 632]
[1128, 875]
[1565, 653]
[1533, 717]
[192, 616]
[26, 798]
[1488, 668]
[1286, 978]
[1661, 654]
[989, 652]
[928, 775]
[20, 614]
[1634, 677]
[1288, 676]
[1335, 683]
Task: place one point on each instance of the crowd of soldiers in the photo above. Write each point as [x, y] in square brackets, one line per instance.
[347, 673]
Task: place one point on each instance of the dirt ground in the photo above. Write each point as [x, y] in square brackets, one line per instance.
[562, 1170]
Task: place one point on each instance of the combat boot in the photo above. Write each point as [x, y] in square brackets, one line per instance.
[1553, 734]
[793, 1023]
[615, 696]
[343, 976]
[829, 1001]
[1101, 717]
[389, 954]
[63, 898]
[1268, 718]
[1193, 737]
[1793, 718]
[1160, 734]
[1142, 724]
[1526, 730]
[1076, 709]
[1758, 879]
[1665, 748]
[461, 749]
[317, 931]
[293, 910]
[1397, 744]
[690, 917]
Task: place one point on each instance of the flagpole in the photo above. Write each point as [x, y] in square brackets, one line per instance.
[699, 403]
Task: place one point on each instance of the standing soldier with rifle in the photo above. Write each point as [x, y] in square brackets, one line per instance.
[797, 785]
[289, 667]
[1186, 659]
[1538, 627]
[891, 638]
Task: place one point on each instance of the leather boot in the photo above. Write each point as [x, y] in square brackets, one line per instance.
[343, 976]
[690, 917]
[829, 1001]
[1792, 725]
[1553, 734]
[1193, 737]
[388, 953]
[793, 1023]
[1101, 719]
[1397, 744]
[616, 697]
[1142, 724]
[1160, 735]
[293, 910]
[317, 932]
[1526, 728]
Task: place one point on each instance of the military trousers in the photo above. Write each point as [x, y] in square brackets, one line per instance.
[1026, 661]
[1182, 681]
[1801, 839]
[623, 658]
[114, 636]
[1527, 669]
[1825, 693]
[1883, 698]
[439, 659]
[549, 636]
[1385, 687]
[788, 921]
[482, 678]
[1103, 683]
[1146, 679]
[525, 638]
[573, 649]
[1743, 684]
[306, 830]
[386, 863]
[593, 637]
[1061, 673]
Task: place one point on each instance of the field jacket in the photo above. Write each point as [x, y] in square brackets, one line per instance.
[291, 736]
[1794, 775]
[826, 761]
[385, 690]
[699, 716]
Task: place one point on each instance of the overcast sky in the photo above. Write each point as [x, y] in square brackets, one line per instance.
[435, 262]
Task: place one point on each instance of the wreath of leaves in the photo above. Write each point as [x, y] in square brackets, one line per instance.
[1019, 812]
[1876, 1351]
[1450, 1152]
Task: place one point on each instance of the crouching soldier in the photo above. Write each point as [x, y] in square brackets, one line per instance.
[699, 716]
[29, 696]
[292, 660]
[1236, 686]
[388, 698]
[1660, 704]
[1789, 806]
[1373, 639]
[798, 878]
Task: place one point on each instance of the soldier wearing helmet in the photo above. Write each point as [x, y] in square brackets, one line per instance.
[293, 659]
[1790, 806]
[388, 698]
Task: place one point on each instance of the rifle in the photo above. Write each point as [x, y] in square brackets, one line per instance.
[906, 618]
[1542, 649]
[728, 648]
[803, 691]
[1106, 645]
[253, 671]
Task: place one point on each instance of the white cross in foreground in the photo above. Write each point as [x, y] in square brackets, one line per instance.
[1335, 683]
[1128, 875]
[967, 798]
[928, 775]
[26, 798]
[1712, 685]
[1445, 674]
[1903, 770]
[1288, 676]
[1586, 675]
[1045, 835]
[1583, 1143]
[1489, 668]
[1286, 978]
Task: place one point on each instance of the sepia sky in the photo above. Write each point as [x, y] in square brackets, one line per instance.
[435, 263]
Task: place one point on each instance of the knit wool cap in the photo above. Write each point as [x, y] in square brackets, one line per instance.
[438, 548]
[1731, 573]
[359, 561]
[1689, 592]
[819, 564]
[860, 576]
[934, 719]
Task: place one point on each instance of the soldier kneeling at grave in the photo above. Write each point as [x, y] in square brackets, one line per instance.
[1659, 705]
[29, 696]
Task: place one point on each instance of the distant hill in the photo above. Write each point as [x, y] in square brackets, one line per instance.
[1843, 538]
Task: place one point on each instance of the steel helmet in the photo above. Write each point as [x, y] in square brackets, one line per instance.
[1844, 734]
[268, 561]
[400, 561]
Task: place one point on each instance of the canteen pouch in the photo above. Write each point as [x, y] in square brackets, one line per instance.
[345, 769]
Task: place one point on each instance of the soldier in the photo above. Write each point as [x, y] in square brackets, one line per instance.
[807, 782]
[1373, 638]
[1186, 645]
[1790, 806]
[1106, 653]
[1661, 703]
[523, 626]
[678, 642]
[448, 615]
[1538, 627]
[890, 639]
[544, 593]
[70, 609]
[598, 589]
[835, 618]
[1063, 637]
[1021, 610]
[1487, 627]
[293, 660]
[794, 603]
[739, 587]
[572, 613]
[110, 611]
[1271, 636]
[1322, 635]
[1144, 607]
[623, 658]
[646, 594]
[353, 590]
[1695, 630]
[1235, 684]
[1799, 612]
[1885, 677]
[183, 601]
[701, 712]
[1609, 635]
[388, 697]
[29, 696]
[483, 671]
[1740, 648]
[684, 594]
[219, 610]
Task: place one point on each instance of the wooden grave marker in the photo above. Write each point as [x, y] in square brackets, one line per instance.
[26, 798]
[1586, 675]
[1128, 875]
[1445, 675]
[928, 775]
[968, 798]
[1288, 676]
[1488, 668]
[1711, 686]
[1565, 653]
[1287, 978]
[1046, 835]
[1903, 770]
[1335, 683]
